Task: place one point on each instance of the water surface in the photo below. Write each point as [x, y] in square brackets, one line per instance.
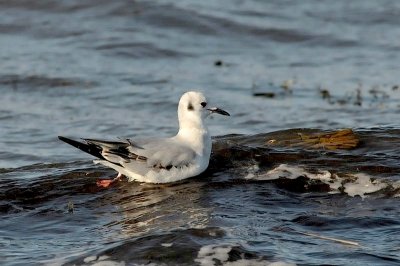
[104, 69]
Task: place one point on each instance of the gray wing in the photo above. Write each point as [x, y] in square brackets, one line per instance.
[164, 153]
[118, 150]
[144, 155]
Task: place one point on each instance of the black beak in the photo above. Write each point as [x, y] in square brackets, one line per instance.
[218, 111]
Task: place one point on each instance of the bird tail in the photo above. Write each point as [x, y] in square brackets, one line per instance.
[86, 147]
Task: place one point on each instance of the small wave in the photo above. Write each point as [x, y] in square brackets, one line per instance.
[138, 50]
[178, 247]
[232, 255]
[38, 81]
[203, 23]
[359, 184]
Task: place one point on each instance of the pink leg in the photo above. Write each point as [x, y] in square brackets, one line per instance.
[105, 183]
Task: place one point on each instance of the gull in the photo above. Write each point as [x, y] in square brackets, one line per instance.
[161, 160]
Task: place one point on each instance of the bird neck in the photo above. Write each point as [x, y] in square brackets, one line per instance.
[198, 138]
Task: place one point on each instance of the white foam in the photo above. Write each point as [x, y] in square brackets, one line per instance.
[363, 184]
[89, 259]
[251, 172]
[281, 263]
[219, 254]
[208, 254]
[109, 263]
[396, 187]
[102, 261]
[358, 184]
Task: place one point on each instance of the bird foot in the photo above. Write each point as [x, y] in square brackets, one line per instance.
[105, 183]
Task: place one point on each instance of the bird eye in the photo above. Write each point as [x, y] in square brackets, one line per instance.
[203, 104]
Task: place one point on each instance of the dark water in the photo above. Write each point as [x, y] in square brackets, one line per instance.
[106, 69]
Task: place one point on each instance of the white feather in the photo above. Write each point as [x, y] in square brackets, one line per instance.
[167, 160]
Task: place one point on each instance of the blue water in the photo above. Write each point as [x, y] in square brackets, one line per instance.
[105, 69]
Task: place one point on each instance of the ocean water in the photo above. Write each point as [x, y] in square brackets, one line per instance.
[109, 69]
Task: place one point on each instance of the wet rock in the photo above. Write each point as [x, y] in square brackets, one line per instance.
[331, 140]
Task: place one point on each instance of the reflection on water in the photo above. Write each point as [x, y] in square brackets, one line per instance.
[147, 208]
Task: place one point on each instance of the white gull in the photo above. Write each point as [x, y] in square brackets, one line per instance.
[163, 160]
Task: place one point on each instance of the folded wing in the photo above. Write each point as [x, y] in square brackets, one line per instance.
[140, 157]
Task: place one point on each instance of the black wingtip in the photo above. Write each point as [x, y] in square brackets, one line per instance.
[91, 149]
[62, 138]
[71, 141]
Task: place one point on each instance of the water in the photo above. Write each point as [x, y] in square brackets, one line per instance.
[106, 69]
